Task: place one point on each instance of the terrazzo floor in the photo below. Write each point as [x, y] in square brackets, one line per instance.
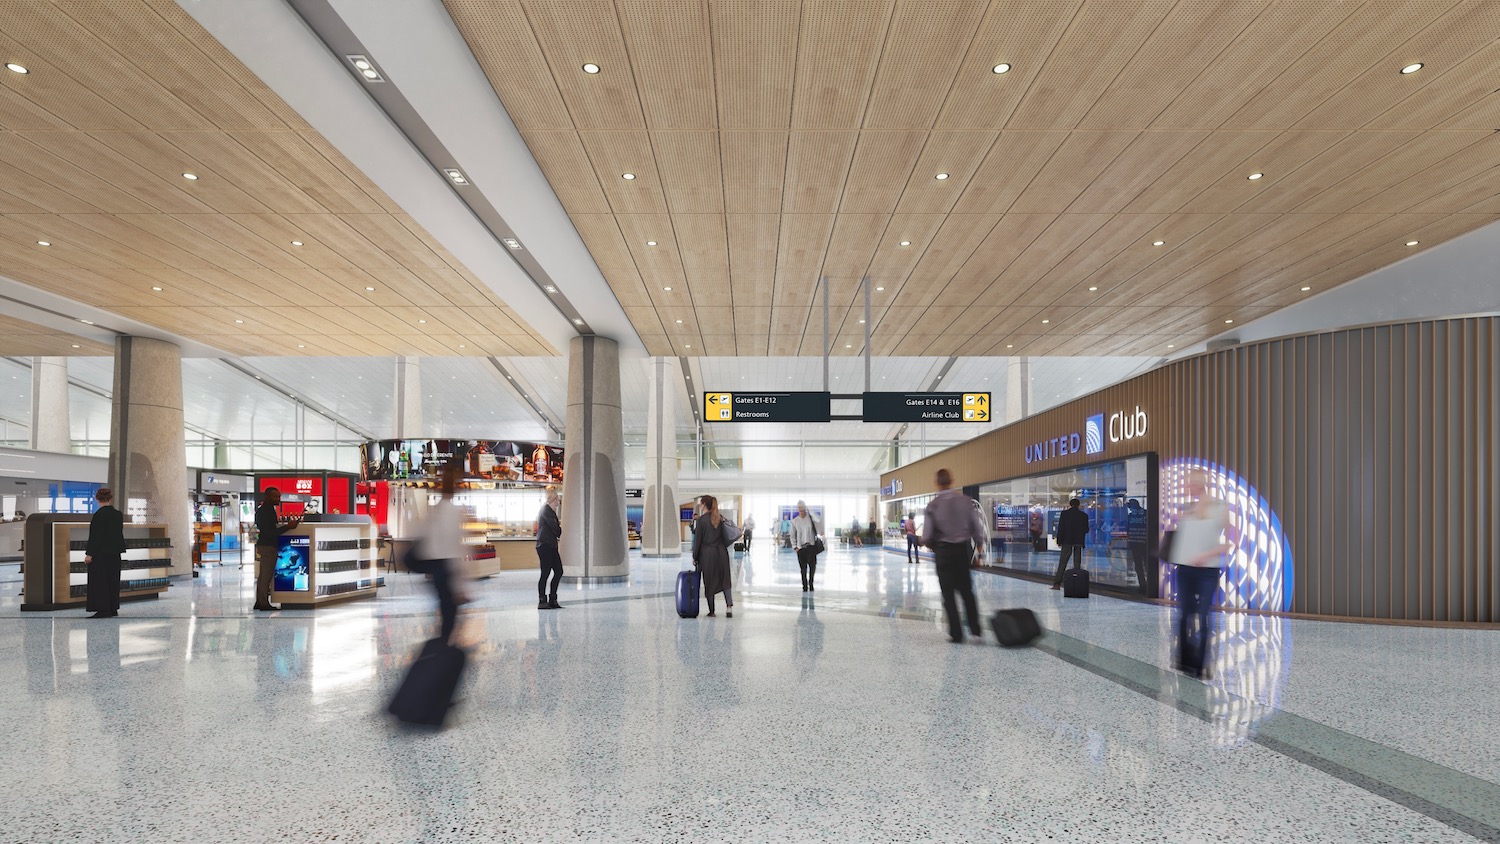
[844, 715]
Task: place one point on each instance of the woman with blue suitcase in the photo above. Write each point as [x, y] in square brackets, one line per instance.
[712, 536]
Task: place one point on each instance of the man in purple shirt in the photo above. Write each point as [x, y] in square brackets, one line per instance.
[953, 529]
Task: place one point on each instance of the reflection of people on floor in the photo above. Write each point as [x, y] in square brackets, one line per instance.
[807, 636]
[1136, 539]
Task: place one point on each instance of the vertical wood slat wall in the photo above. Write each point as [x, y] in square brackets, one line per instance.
[1378, 447]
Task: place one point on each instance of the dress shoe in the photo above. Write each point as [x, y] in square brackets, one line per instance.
[1055, 586]
[552, 604]
[729, 613]
[266, 607]
[711, 615]
[104, 615]
[542, 605]
[957, 640]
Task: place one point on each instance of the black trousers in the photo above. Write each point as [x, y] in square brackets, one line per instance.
[1062, 564]
[551, 563]
[955, 579]
[104, 583]
[1139, 556]
[442, 583]
[808, 562]
[913, 548]
[1195, 592]
[746, 539]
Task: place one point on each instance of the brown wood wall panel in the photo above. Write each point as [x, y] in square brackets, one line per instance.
[1378, 448]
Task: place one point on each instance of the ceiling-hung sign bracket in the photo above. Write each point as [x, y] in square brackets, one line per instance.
[823, 283]
[865, 283]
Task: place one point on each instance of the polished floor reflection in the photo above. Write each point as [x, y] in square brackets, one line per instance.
[843, 715]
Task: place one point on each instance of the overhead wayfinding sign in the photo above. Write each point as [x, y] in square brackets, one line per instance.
[767, 407]
[926, 407]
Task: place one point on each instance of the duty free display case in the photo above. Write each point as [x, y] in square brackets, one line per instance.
[57, 577]
[325, 559]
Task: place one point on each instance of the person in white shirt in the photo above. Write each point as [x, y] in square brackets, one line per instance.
[749, 527]
[1198, 550]
[440, 541]
[804, 532]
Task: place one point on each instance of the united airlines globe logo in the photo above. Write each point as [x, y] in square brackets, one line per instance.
[1093, 434]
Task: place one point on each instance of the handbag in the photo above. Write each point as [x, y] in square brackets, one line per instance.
[818, 546]
[1164, 550]
[730, 532]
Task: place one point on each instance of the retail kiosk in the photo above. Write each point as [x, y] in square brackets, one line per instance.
[327, 558]
[57, 577]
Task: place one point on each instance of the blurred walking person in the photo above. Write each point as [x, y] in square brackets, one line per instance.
[548, 532]
[913, 546]
[804, 530]
[748, 531]
[711, 540]
[439, 550]
[102, 556]
[954, 531]
[1198, 550]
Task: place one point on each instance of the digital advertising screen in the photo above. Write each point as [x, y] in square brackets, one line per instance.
[293, 557]
[485, 460]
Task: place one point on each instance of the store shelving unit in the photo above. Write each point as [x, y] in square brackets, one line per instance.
[340, 563]
[57, 577]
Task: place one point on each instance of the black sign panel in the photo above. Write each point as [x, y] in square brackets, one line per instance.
[729, 406]
[926, 407]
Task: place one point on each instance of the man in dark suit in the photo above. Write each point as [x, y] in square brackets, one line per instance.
[548, 532]
[268, 526]
[1072, 533]
[102, 555]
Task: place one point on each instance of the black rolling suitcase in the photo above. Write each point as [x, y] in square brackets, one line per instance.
[1015, 627]
[1076, 583]
[426, 694]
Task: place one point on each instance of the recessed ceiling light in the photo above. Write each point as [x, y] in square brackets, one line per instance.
[370, 74]
[1158, 243]
[369, 290]
[421, 322]
[941, 176]
[861, 322]
[1010, 345]
[679, 322]
[239, 322]
[1093, 289]
[879, 289]
[76, 346]
[628, 176]
[365, 67]
[1046, 321]
[362, 64]
[16, 68]
[43, 243]
[1002, 67]
[296, 243]
[650, 243]
[511, 242]
[687, 345]
[1171, 345]
[301, 346]
[578, 322]
[590, 68]
[157, 289]
[905, 243]
[191, 177]
[551, 289]
[1228, 322]
[848, 345]
[455, 176]
[1412, 68]
[1253, 176]
[1412, 242]
[668, 289]
[1305, 289]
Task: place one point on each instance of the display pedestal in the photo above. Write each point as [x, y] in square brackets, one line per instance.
[322, 562]
[57, 578]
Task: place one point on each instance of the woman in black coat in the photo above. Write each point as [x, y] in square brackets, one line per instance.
[711, 553]
[102, 554]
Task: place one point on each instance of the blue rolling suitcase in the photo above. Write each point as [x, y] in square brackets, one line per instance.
[426, 694]
[687, 593]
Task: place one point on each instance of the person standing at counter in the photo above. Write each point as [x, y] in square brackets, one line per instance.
[268, 527]
[548, 532]
[1072, 533]
[102, 555]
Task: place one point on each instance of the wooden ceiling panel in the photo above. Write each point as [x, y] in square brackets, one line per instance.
[1333, 166]
[125, 160]
[601, 234]
[1020, 33]
[1100, 39]
[613, 154]
[560, 154]
[883, 162]
[1219, 154]
[816, 167]
[835, 63]
[754, 170]
[1422, 152]
[801, 249]
[754, 60]
[1457, 172]
[571, 33]
[506, 48]
[921, 52]
[671, 60]
[1065, 235]
[1140, 165]
[752, 245]
[893, 262]
[689, 164]
[959, 155]
[1001, 245]
[1284, 153]
[1013, 162]
[1071, 171]
[64, 185]
[1119, 234]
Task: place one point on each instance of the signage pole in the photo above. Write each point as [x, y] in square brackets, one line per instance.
[824, 282]
[865, 283]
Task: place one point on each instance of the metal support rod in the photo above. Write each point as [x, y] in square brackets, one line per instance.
[826, 347]
[865, 283]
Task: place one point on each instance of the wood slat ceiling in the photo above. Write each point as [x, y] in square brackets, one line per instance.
[21, 338]
[122, 98]
[777, 141]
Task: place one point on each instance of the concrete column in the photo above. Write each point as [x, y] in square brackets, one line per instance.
[147, 452]
[660, 534]
[406, 397]
[594, 547]
[1017, 389]
[51, 426]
